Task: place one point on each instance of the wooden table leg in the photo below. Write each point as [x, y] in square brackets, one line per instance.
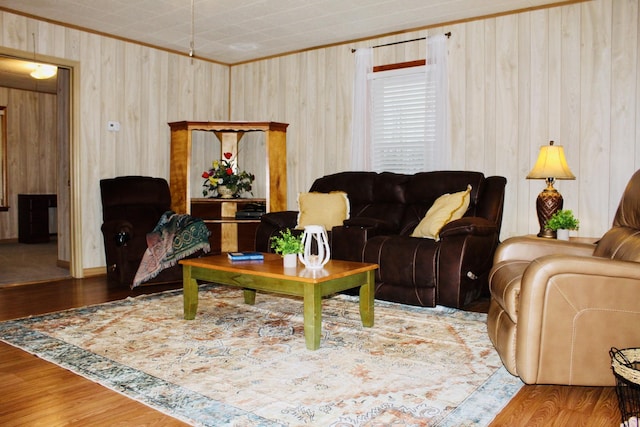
[366, 300]
[249, 296]
[189, 293]
[312, 316]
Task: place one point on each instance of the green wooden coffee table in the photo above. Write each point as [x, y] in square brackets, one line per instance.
[269, 275]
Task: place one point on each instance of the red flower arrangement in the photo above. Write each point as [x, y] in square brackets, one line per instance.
[222, 173]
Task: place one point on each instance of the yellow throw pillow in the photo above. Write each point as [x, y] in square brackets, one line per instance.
[445, 209]
[327, 209]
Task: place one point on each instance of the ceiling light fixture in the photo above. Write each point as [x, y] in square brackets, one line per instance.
[44, 71]
[192, 42]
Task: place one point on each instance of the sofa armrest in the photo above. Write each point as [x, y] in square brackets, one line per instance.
[270, 225]
[528, 248]
[282, 219]
[380, 225]
[465, 257]
[572, 310]
[469, 225]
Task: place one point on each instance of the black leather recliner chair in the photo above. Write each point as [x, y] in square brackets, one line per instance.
[131, 208]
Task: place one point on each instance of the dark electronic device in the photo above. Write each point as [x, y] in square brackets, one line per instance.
[252, 211]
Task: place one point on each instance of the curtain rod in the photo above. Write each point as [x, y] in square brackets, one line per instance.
[404, 41]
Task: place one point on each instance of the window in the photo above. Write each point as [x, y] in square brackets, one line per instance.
[402, 131]
[400, 113]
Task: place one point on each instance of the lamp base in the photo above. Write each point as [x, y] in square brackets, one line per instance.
[547, 234]
[549, 202]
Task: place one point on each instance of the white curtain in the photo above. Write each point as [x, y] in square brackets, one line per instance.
[361, 125]
[436, 75]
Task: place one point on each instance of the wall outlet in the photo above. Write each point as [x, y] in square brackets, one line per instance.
[113, 126]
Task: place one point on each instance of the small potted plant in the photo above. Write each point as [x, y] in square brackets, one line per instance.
[288, 245]
[561, 222]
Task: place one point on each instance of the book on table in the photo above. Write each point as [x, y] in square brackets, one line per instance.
[246, 256]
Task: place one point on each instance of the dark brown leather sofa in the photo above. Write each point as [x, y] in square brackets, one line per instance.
[385, 208]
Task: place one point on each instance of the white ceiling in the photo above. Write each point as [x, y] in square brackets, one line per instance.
[233, 31]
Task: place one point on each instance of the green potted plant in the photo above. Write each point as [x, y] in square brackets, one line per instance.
[288, 245]
[561, 222]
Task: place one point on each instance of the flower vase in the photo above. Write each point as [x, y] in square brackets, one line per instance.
[562, 234]
[289, 260]
[225, 192]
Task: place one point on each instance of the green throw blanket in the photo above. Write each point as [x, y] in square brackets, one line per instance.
[176, 236]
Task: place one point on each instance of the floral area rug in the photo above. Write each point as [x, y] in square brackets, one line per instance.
[242, 365]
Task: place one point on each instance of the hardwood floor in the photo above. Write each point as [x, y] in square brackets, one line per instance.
[38, 393]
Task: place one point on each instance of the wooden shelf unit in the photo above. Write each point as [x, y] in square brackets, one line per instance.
[228, 234]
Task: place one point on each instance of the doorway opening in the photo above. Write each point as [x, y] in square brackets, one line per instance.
[60, 138]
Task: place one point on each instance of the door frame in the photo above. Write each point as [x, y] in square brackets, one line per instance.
[74, 220]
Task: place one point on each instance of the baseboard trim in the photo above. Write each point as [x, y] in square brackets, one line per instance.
[94, 271]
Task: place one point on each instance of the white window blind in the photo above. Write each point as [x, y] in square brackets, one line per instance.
[403, 122]
[398, 122]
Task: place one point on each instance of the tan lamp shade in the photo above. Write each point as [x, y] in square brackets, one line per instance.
[551, 165]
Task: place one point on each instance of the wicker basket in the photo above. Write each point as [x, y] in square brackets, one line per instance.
[626, 368]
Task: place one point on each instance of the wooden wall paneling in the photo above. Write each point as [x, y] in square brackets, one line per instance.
[328, 104]
[112, 151]
[506, 102]
[582, 55]
[91, 134]
[466, 76]
[624, 72]
[530, 89]
[533, 121]
[292, 95]
[569, 101]
[553, 19]
[129, 109]
[344, 63]
[47, 145]
[63, 135]
[317, 94]
[488, 109]
[534, 36]
[17, 156]
[154, 80]
[309, 157]
[31, 150]
[276, 85]
[595, 118]
[140, 87]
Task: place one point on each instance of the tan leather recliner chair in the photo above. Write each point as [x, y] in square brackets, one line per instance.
[558, 307]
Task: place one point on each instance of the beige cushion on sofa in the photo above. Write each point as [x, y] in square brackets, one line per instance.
[445, 209]
[327, 209]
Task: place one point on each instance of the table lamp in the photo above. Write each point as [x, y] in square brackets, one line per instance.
[551, 165]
